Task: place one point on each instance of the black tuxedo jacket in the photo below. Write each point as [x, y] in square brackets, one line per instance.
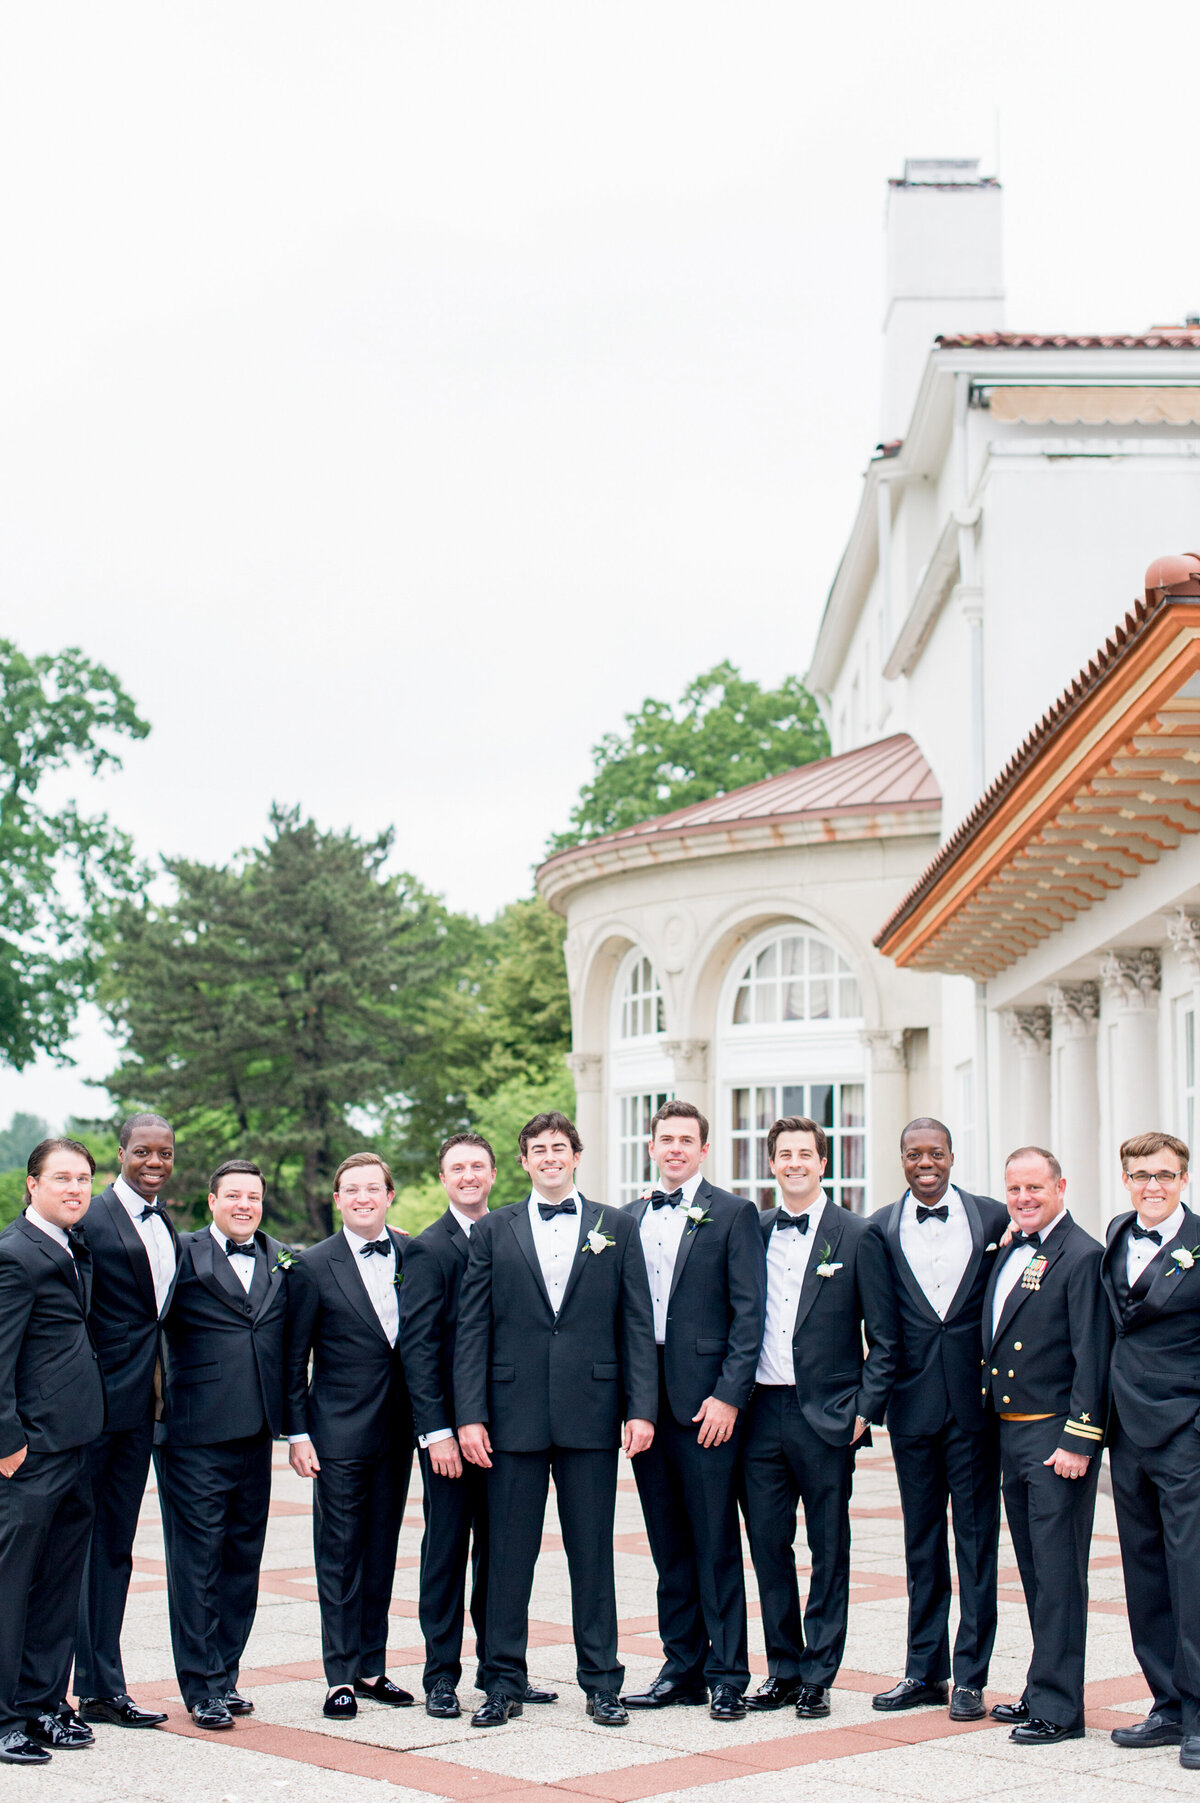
[124, 1317]
[51, 1390]
[223, 1374]
[717, 1305]
[938, 1370]
[1050, 1352]
[539, 1379]
[1155, 1370]
[434, 1265]
[834, 1382]
[355, 1399]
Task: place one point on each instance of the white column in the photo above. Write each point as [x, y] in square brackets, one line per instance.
[690, 1058]
[1029, 1029]
[1132, 980]
[587, 1068]
[1074, 1095]
[889, 1113]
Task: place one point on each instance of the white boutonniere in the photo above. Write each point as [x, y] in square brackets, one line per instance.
[1185, 1257]
[696, 1215]
[285, 1260]
[597, 1241]
[825, 1269]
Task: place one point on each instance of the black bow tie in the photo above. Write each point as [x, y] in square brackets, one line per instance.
[1027, 1239]
[383, 1247]
[1138, 1232]
[786, 1219]
[662, 1199]
[232, 1248]
[548, 1210]
[940, 1213]
[152, 1208]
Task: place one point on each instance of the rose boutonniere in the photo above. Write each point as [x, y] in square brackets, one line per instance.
[597, 1240]
[285, 1261]
[1185, 1257]
[825, 1269]
[696, 1216]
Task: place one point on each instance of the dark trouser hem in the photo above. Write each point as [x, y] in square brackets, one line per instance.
[45, 1520]
[358, 1505]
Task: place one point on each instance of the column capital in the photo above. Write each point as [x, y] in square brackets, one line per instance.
[1132, 979]
[889, 1048]
[1183, 930]
[1030, 1028]
[1074, 1009]
[587, 1068]
[690, 1057]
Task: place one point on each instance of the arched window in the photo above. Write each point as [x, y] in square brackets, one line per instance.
[642, 1012]
[796, 977]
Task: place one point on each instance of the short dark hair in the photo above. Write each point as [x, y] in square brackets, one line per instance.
[129, 1127]
[41, 1152]
[1036, 1152]
[1145, 1145]
[234, 1167]
[465, 1139]
[355, 1162]
[680, 1111]
[928, 1124]
[797, 1123]
[550, 1122]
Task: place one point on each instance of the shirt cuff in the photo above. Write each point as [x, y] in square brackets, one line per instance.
[299, 1439]
[439, 1433]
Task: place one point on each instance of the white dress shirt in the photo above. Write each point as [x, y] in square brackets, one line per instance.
[241, 1266]
[556, 1242]
[662, 1236]
[464, 1221]
[1138, 1253]
[155, 1236]
[938, 1252]
[1013, 1268]
[379, 1279]
[789, 1254]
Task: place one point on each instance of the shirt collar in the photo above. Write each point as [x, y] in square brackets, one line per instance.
[951, 1198]
[688, 1189]
[222, 1237]
[128, 1196]
[813, 1211]
[357, 1240]
[50, 1228]
[464, 1221]
[1171, 1226]
[1045, 1232]
[535, 1197]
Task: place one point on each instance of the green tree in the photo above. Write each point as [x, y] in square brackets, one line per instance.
[18, 1139]
[724, 731]
[57, 866]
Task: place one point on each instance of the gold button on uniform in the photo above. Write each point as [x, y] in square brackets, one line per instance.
[1016, 1345]
[1012, 1374]
[1006, 1399]
[995, 1373]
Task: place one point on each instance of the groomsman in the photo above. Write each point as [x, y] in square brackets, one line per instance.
[704, 1260]
[135, 1251]
[555, 1346]
[1152, 1282]
[51, 1407]
[827, 1287]
[940, 1243]
[223, 1406]
[351, 1428]
[1046, 1345]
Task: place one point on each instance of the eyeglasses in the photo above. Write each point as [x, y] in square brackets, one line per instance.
[1165, 1179]
[372, 1192]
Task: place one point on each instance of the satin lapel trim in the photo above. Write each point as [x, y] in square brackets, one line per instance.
[904, 1268]
[691, 1234]
[341, 1263]
[135, 1251]
[456, 1236]
[1019, 1294]
[268, 1294]
[1107, 1278]
[975, 1221]
[1169, 1272]
[589, 1214]
[523, 1234]
[831, 1236]
[59, 1257]
[222, 1284]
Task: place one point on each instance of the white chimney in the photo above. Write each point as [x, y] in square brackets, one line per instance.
[945, 270]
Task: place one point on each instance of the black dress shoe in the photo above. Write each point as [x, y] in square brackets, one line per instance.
[1012, 1713]
[16, 1748]
[606, 1709]
[49, 1730]
[1189, 1752]
[728, 1703]
[813, 1701]
[1037, 1732]
[237, 1704]
[966, 1704]
[665, 1691]
[1156, 1731]
[775, 1693]
[497, 1709]
[121, 1712]
[211, 1713]
[339, 1705]
[442, 1700]
[383, 1691]
[539, 1696]
[910, 1693]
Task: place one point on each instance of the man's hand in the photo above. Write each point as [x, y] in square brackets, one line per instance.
[861, 1425]
[1068, 1464]
[638, 1436]
[302, 1457]
[13, 1463]
[717, 1421]
[445, 1457]
[473, 1439]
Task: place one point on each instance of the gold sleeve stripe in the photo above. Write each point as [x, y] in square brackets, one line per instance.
[1085, 1431]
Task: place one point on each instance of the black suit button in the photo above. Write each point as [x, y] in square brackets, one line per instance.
[245, 1308]
[555, 1335]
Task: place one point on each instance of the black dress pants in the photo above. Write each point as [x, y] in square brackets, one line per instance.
[358, 1505]
[963, 1470]
[785, 1462]
[456, 1531]
[119, 1464]
[45, 1519]
[1050, 1520]
[214, 1503]
[586, 1484]
[1156, 1490]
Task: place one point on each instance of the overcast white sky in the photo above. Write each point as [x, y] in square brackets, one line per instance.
[396, 394]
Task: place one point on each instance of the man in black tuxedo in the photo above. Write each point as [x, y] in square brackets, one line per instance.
[827, 1287]
[51, 1408]
[940, 1243]
[222, 1407]
[1151, 1276]
[350, 1426]
[1046, 1342]
[555, 1347]
[707, 1275]
[135, 1252]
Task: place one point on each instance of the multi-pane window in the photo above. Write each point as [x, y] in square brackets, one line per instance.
[642, 1010]
[633, 1149]
[796, 977]
[840, 1108]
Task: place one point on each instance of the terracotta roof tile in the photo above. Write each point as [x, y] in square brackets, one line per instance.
[1172, 338]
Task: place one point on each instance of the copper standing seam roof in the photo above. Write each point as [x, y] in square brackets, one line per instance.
[1165, 338]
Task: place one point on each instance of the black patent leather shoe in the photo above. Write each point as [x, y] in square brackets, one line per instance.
[383, 1691]
[606, 1709]
[442, 1700]
[211, 1713]
[1012, 1713]
[237, 1704]
[910, 1693]
[966, 1704]
[16, 1748]
[339, 1705]
[1189, 1752]
[1156, 1731]
[539, 1696]
[119, 1712]
[50, 1730]
[495, 1710]
[665, 1691]
[1037, 1732]
[813, 1701]
[775, 1693]
[728, 1703]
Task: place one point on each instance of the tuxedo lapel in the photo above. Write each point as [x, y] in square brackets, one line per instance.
[518, 1222]
[829, 1232]
[1019, 1294]
[690, 1235]
[341, 1263]
[215, 1273]
[1163, 1274]
[135, 1251]
[267, 1276]
[975, 1220]
[903, 1267]
[1113, 1275]
[456, 1236]
[590, 1213]
[59, 1257]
